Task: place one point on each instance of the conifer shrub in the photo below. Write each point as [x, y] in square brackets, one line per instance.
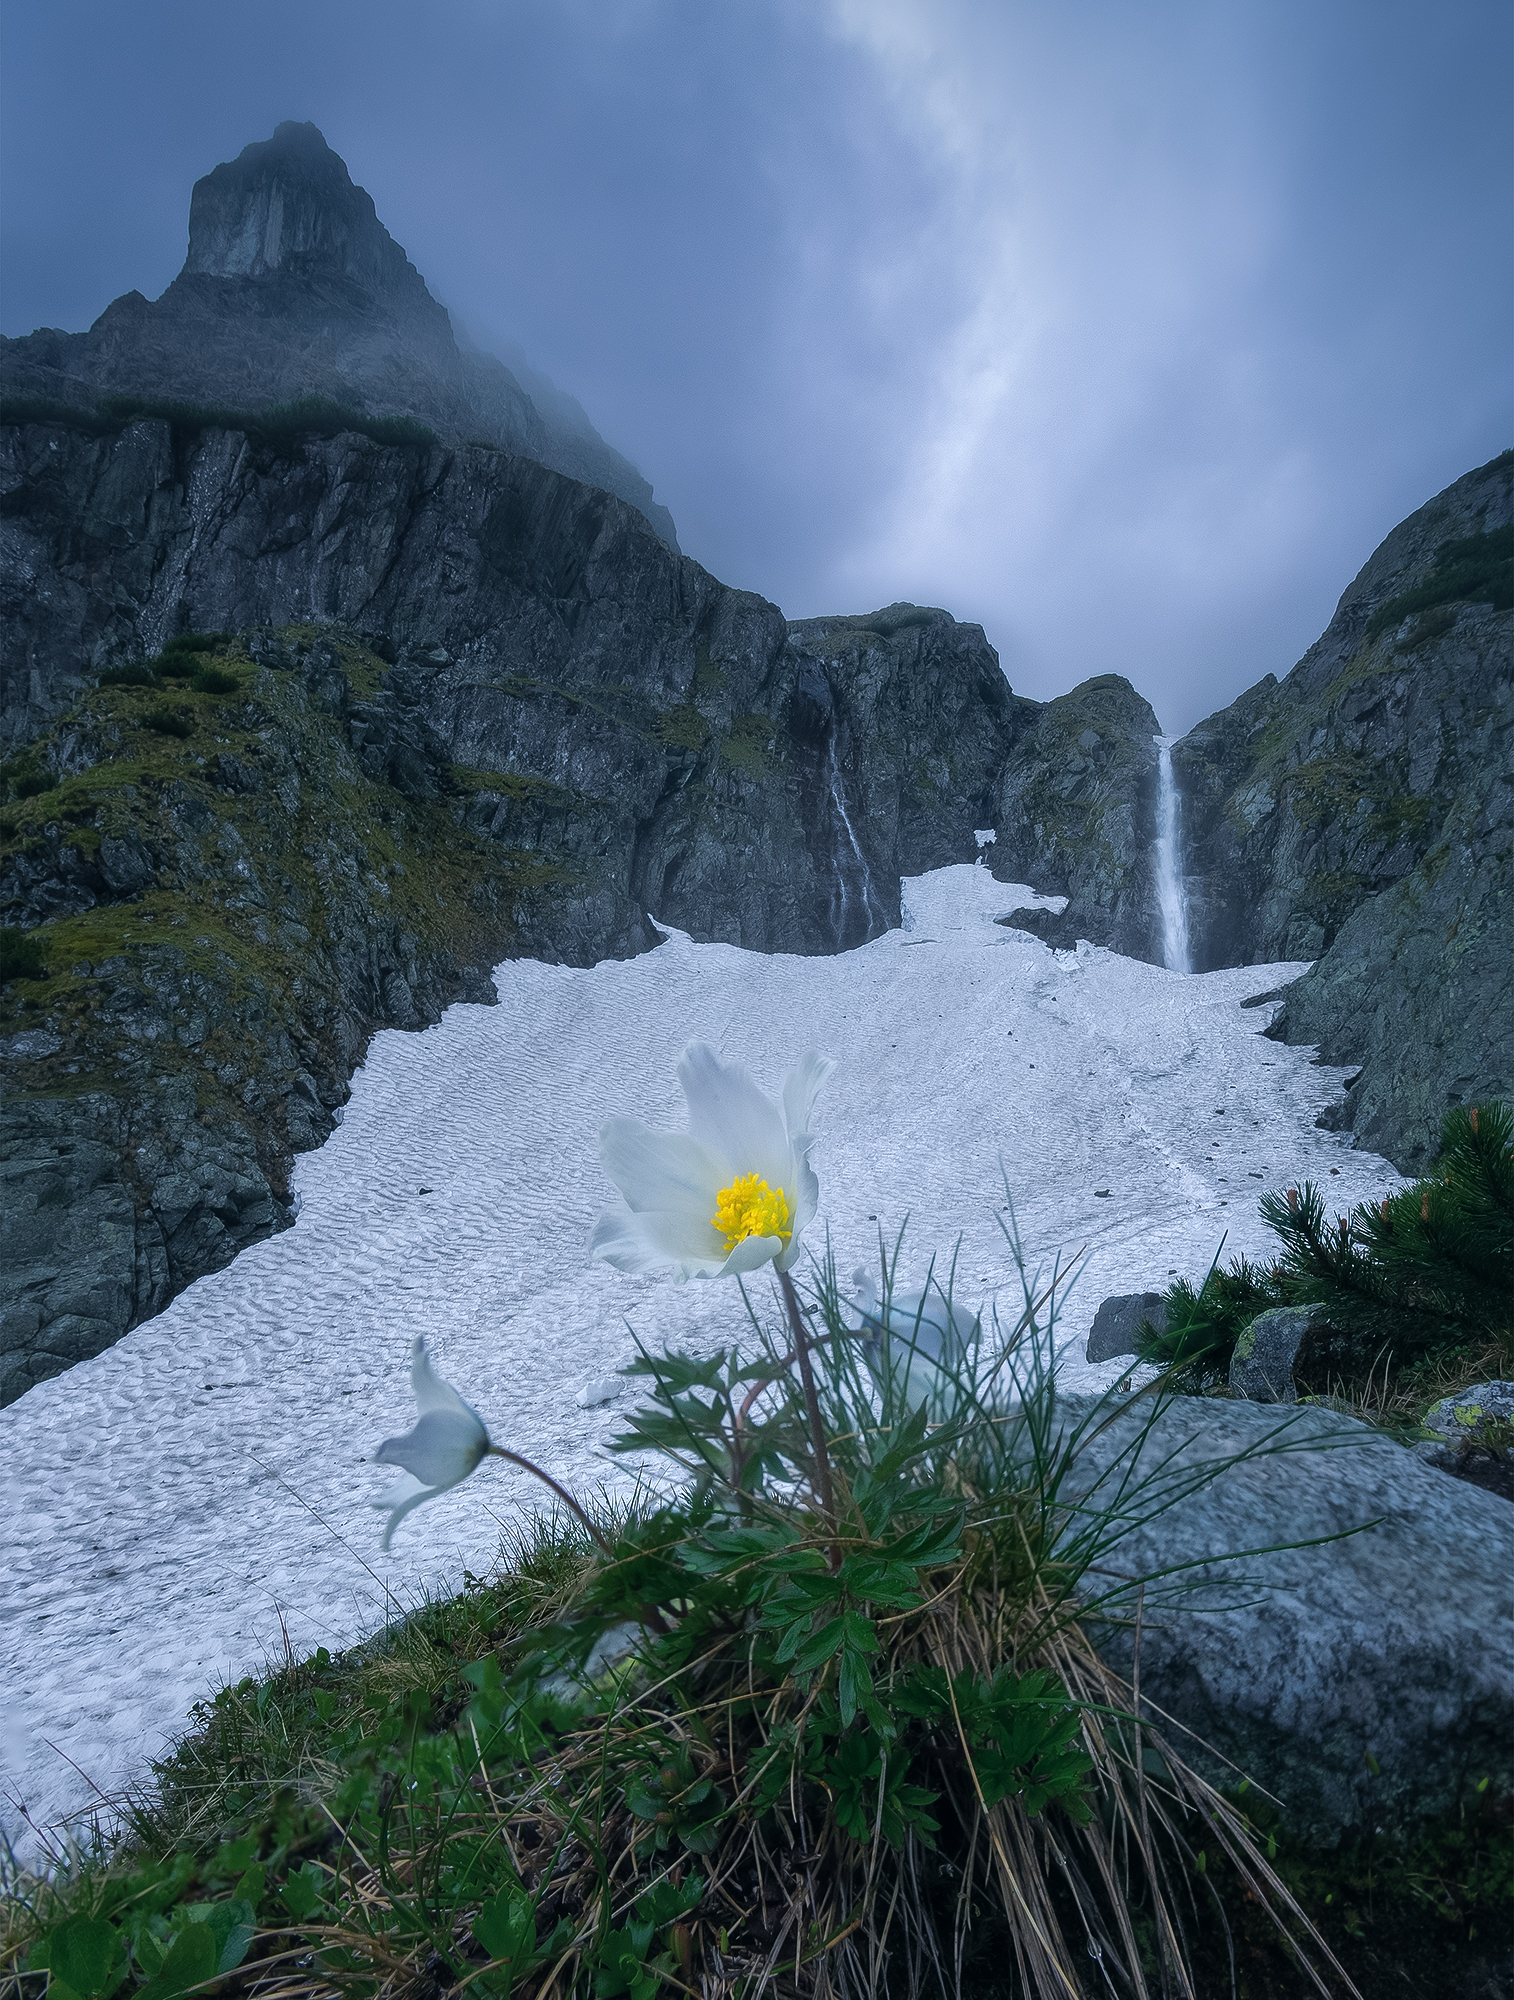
[26, 776]
[131, 674]
[214, 680]
[1406, 1283]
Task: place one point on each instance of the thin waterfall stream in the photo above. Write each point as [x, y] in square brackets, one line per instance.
[855, 903]
[1171, 897]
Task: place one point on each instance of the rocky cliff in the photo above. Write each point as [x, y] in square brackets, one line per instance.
[1360, 813]
[292, 288]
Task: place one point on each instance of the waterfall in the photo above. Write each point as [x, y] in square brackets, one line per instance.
[855, 903]
[1169, 857]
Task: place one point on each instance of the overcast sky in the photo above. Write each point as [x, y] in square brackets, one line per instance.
[1128, 330]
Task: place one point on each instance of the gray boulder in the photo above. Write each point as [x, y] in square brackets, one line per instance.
[1120, 1319]
[1367, 1681]
[1261, 1368]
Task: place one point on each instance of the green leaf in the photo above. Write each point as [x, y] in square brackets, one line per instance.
[506, 1928]
[302, 1892]
[87, 1954]
[233, 1925]
[193, 1958]
[819, 1647]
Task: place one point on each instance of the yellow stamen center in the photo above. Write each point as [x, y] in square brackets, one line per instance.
[749, 1207]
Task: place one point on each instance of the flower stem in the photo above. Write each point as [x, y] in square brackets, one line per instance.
[498, 1451]
[812, 1406]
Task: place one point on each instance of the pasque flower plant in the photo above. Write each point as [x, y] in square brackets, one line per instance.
[734, 1192]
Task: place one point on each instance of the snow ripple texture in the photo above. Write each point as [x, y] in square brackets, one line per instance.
[175, 1506]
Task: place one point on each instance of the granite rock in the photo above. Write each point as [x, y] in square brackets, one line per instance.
[1365, 1682]
[1360, 813]
[1472, 1414]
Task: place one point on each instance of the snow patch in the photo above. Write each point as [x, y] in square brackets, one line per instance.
[174, 1504]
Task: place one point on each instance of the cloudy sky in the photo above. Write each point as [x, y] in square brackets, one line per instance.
[1125, 329]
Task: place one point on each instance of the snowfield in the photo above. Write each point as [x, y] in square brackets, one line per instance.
[174, 1506]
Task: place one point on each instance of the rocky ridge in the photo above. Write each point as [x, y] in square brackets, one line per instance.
[580, 728]
[1361, 813]
[292, 288]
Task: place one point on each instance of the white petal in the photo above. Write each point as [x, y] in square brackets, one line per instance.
[730, 1116]
[432, 1393]
[750, 1254]
[801, 1087]
[398, 1491]
[661, 1170]
[442, 1449]
[406, 1504]
[652, 1242]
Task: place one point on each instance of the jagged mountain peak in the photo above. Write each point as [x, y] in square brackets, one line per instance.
[288, 204]
[293, 287]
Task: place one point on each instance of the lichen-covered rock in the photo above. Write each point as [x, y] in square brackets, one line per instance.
[1366, 1682]
[1120, 1319]
[1472, 1416]
[1261, 1363]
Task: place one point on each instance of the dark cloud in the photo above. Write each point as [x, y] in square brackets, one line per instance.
[1128, 332]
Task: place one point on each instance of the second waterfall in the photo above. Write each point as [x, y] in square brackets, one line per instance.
[1171, 897]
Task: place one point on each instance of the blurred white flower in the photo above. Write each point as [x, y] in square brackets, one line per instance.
[448, 1442]
[734, 1192]
[920, 1342]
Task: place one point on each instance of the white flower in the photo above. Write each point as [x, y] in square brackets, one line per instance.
[448, 1442]
[734, 1192]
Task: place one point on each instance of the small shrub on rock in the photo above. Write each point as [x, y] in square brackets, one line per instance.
[21, 955]
[167, 722]
[214, 680]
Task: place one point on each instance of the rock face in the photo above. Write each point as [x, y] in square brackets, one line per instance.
[1076, 816]
[225, 916]
[293, 287]
[1365, 1682]
[1361, 813]
[581, 728]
